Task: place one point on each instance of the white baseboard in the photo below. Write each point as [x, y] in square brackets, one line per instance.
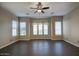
[8, 44]
[72, 43]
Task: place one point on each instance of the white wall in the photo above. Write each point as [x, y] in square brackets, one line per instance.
[71, 27]
[6, 27]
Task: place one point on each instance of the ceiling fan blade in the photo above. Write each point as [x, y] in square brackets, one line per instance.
[42, 11]
[33, 8]
[45, 8]
[35, 11]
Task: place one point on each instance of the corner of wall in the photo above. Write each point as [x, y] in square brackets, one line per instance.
[66, 40]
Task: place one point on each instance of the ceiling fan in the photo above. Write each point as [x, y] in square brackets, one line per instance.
[40, 8]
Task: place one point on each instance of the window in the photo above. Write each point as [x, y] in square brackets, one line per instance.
[45, 28]
[58, 28]
[22, 28]
[14, 28]
[40, 28]
[34, 28]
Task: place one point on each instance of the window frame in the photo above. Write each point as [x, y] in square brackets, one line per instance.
[32, 29]
[55, 29]
[42, 28]
[20, 28]
[16, 24]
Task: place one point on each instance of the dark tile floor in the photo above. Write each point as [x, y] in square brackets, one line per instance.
[40, 48]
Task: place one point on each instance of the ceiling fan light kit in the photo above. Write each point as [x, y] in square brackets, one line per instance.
[38, 10]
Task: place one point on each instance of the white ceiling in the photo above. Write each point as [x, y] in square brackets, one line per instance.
[22, 9]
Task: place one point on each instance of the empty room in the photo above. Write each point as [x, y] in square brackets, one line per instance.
[39, 28]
